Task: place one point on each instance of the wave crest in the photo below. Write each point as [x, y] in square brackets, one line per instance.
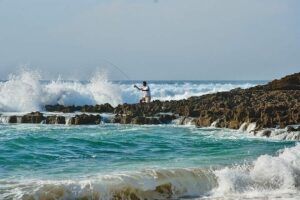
[267, 177]
[24, 92]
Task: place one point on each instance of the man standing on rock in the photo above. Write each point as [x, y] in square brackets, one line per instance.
[146, 92]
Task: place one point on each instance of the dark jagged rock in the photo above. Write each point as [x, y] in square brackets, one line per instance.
[122, 119]
[290, 82]
[55, 120]
[276, 104]
[103, 108]
[129, 119]
[266, 133]
[166, 118]
[61, 108]
[85, 119]
[13, 119]
[272, 105]
[33, 117]
[292, 129]
[145, 120]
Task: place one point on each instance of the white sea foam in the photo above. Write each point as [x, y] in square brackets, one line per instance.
[24, 92]
[273, 133]
[267, 177]
[177, 91]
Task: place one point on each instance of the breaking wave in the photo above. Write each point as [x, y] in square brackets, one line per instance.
[267, 177]
[25, 92]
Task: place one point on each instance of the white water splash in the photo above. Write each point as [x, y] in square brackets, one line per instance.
[24, 92]
[268, 176]
[273, 133]
[177, 91]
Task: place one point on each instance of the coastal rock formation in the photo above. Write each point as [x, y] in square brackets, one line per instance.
[274, 105]
[13, 119]
[130, 119]
[290, 82]
[104, 108]
[61, 108]
[85, 119]
[33, 117]
[55, 119]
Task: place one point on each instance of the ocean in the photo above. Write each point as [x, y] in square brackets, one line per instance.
[113, 161]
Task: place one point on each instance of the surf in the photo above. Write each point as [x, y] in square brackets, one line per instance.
[24, 91]
[267, 176]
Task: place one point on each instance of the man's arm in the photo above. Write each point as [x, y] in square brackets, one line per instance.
[137, 87]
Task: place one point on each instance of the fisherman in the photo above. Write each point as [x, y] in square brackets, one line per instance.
[146, 92]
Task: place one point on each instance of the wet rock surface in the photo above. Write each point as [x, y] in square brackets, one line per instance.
[276, 104]
[104, 108]
[55, 119]
[85, 119]
[33, 118]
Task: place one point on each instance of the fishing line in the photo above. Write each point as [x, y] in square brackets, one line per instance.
[115, 66]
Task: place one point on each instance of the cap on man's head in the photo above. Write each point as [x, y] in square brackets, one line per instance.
[144, 83]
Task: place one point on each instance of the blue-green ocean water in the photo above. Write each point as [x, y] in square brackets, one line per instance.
[111, 161]
[33, 155]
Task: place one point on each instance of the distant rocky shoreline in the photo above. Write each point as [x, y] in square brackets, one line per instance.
[274, 105]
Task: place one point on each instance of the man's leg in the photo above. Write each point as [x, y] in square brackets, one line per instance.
[147, 99]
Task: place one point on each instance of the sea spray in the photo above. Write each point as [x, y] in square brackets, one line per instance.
[176, 90]
[22, 92]
[267, 175]
[155, 162]
[25, 92]
[146, 184]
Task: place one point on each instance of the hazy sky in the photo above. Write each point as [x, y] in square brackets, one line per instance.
[151, 39]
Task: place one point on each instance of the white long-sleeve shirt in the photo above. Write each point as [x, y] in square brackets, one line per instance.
[146, 91]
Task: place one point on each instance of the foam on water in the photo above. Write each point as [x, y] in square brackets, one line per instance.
[25, 92]
[267, 177]
[179, 90]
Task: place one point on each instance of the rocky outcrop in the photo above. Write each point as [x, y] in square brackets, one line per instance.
[13, 119]
[276, 104]
[129, 119]
[33, 118]
[290, 82]
[37, 118]
[292, 129]
[55, 119]
[61, 108]
[104, 108]
[85, 119]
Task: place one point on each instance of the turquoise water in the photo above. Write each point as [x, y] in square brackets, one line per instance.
[75, 153]
[111, 161]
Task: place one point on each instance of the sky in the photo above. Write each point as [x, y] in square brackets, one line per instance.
[151, 39]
